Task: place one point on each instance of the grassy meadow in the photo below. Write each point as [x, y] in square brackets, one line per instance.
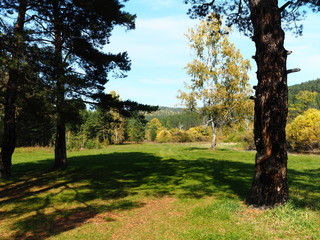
[153, 191]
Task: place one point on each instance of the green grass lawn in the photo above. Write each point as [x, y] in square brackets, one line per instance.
[153, 191]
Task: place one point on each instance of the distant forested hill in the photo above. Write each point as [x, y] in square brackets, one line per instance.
[179, 118]
[311, 86]
[170, 110]
[176, 118]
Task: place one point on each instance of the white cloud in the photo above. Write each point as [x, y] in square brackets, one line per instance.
[157, 41]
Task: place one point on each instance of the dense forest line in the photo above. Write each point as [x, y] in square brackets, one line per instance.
[176, 118]
[310, 86]
[302, 97]
[35, 126]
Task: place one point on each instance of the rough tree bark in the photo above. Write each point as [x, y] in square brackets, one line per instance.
[270, 185]
[60, 139]
[9, 130]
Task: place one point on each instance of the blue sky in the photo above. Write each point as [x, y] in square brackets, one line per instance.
[159, 52]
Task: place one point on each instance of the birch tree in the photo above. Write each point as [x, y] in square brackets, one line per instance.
[219, 80]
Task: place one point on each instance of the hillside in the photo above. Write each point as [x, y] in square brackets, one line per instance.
[176, 118]
[312, 86]
[169, 110]
[179, 118]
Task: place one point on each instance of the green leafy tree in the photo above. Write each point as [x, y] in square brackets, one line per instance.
[136, 129]
[219, 79]
[304, 131]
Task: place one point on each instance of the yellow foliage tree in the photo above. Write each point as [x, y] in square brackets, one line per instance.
[219, 76]
[154, 126]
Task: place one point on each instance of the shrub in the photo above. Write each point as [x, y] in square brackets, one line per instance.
[179, 135]
[92, 144]
[304, 131]
[164, 136]
[197, 134]
[77, 142]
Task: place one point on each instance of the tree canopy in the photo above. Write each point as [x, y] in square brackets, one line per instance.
[238, 12]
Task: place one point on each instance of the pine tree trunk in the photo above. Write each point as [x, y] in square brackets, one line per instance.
[60, 150]
[60, 141]
[9, 128]
[270, 185]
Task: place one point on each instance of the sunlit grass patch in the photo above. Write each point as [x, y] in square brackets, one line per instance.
[153, 191]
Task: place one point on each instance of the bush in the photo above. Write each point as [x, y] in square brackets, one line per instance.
[77, 142]
[304, 132]
[179, 135]
[198, 134]
[164, 136]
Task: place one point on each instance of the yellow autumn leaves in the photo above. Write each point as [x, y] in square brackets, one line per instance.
[218, 74]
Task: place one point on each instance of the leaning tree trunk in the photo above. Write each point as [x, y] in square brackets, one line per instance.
[60, 141]
[270, 186]
[9, 122]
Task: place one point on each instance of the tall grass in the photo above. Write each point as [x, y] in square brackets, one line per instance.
[153, 191]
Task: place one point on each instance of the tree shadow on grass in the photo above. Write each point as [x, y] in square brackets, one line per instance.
[57, 201]
[305, 188]
[48, 221]
[54, 202]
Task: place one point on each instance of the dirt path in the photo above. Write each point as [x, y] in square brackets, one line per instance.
[143, 221]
